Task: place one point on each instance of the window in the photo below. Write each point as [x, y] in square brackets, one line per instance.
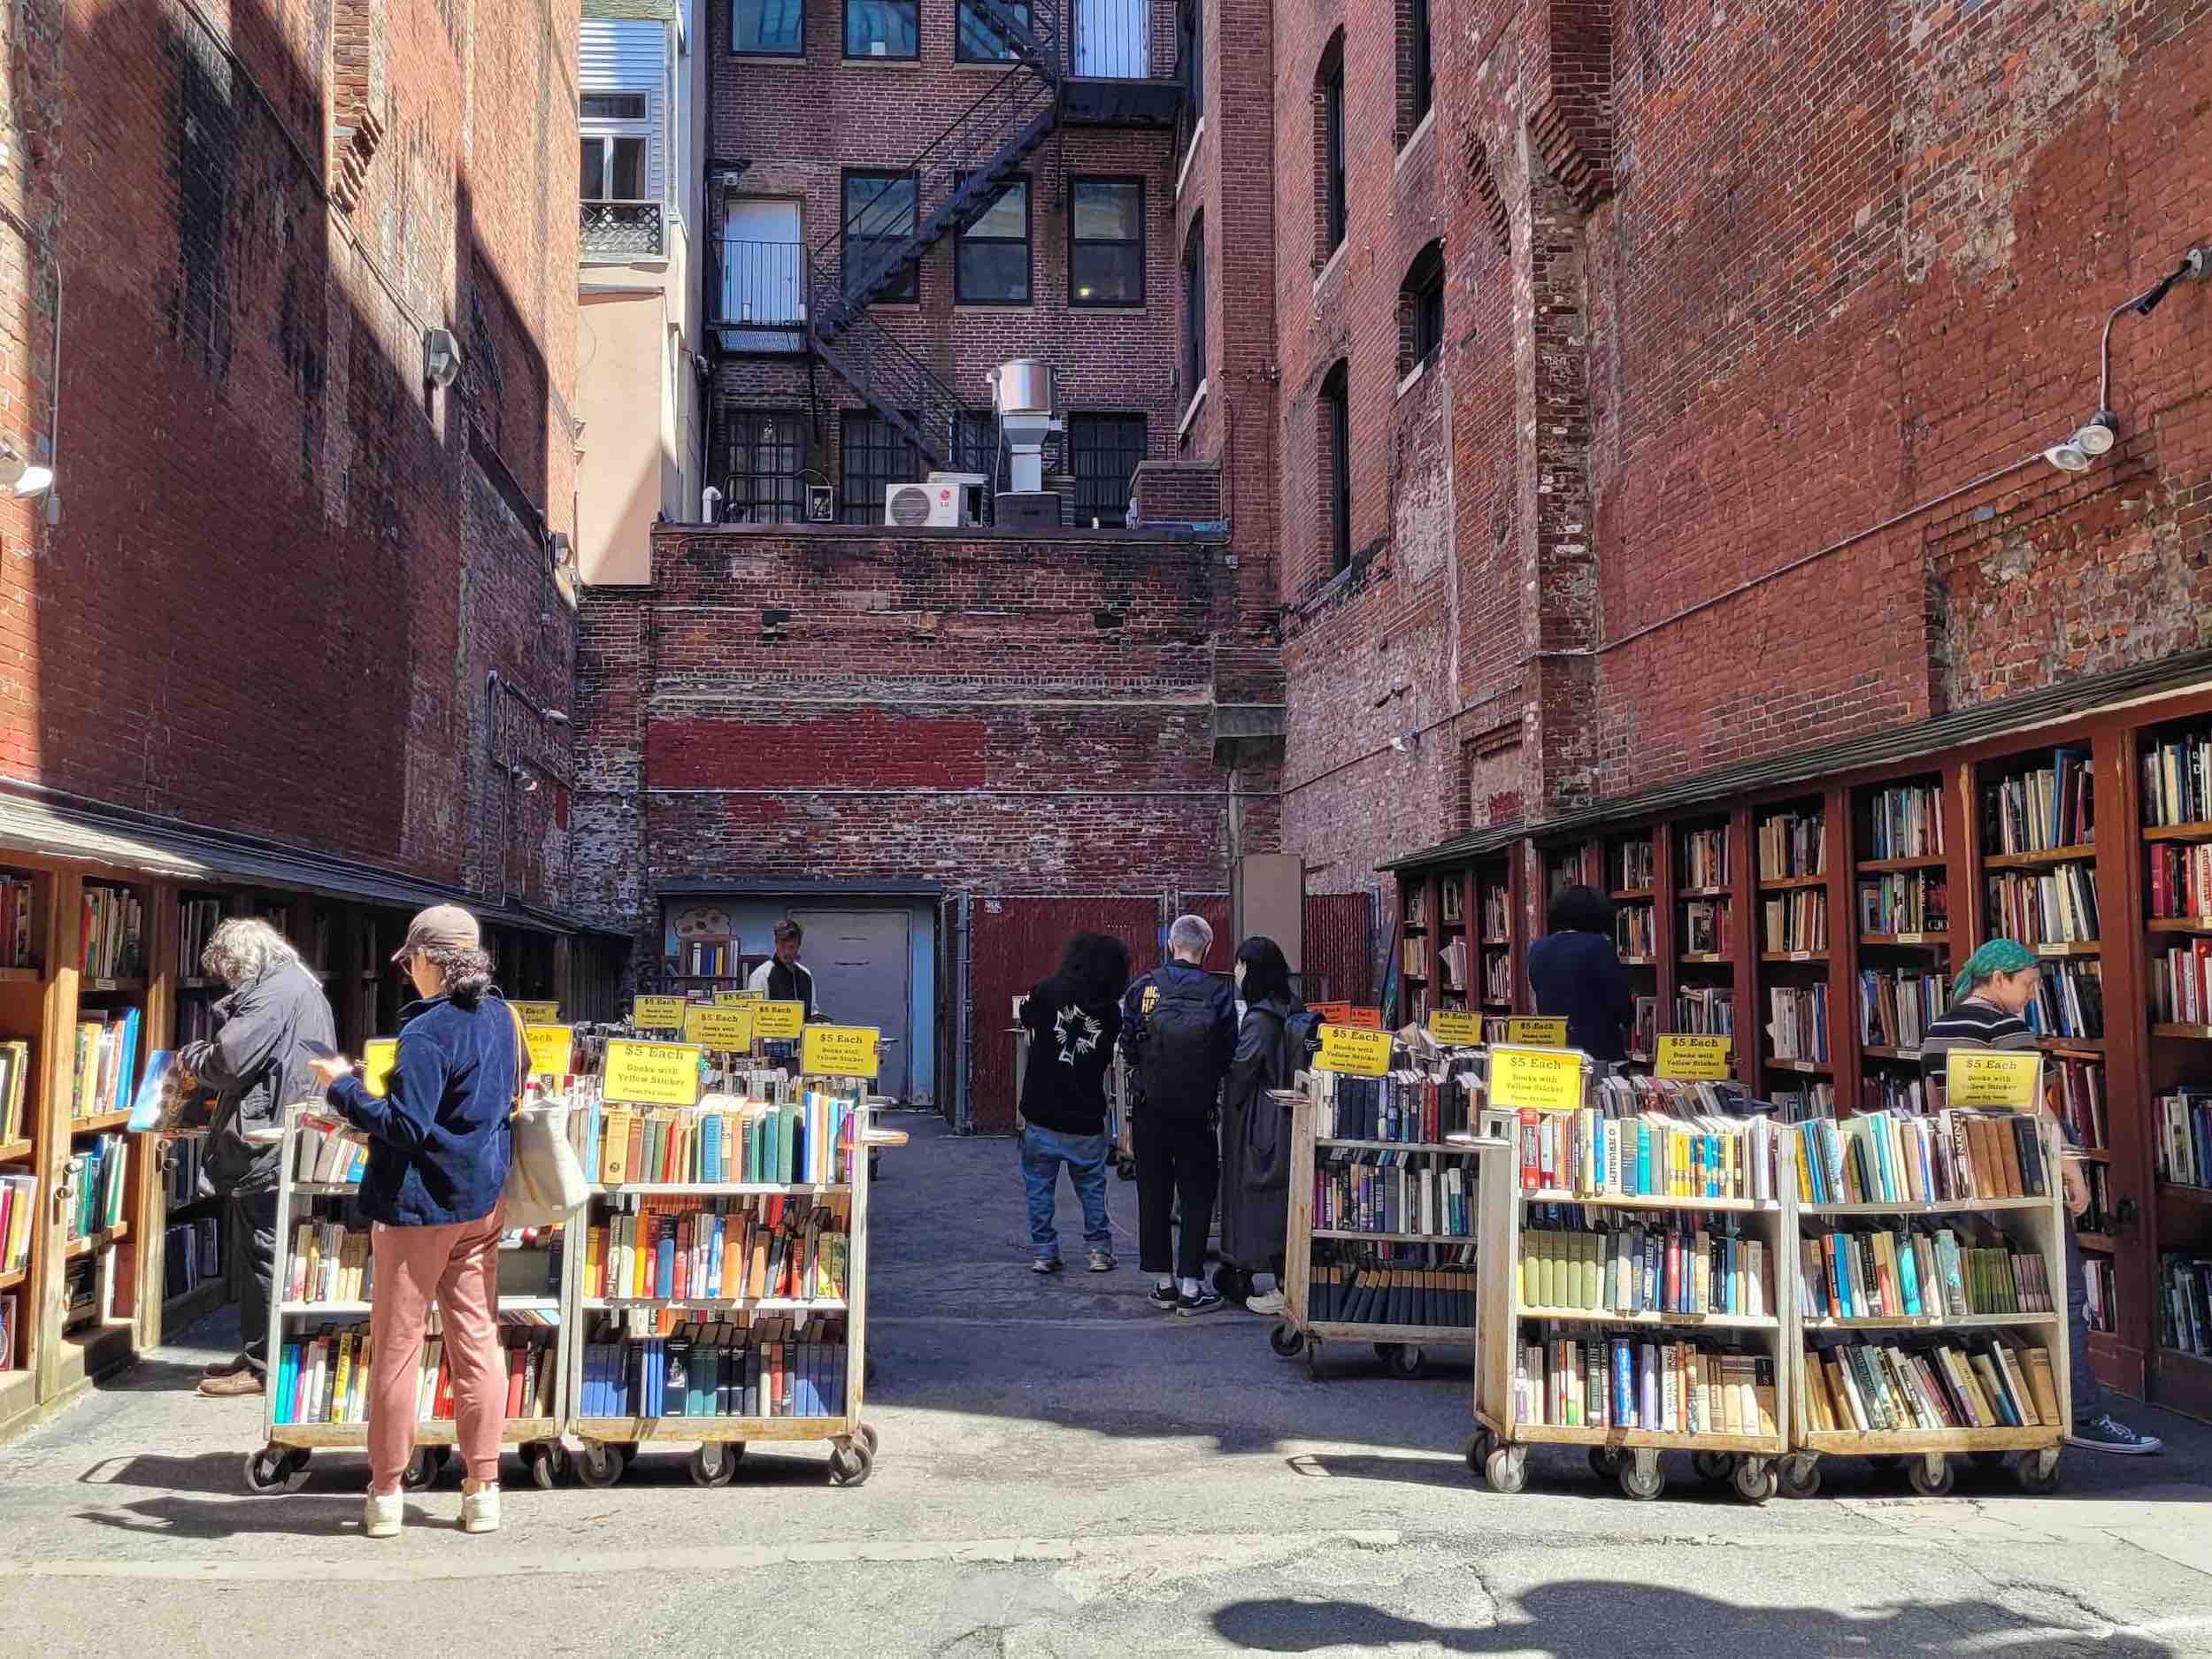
[873, 454]
[1333, 157]
[614, 168]
[767, 481]
[1103, 453]
[1190, 54]
[882, 29]
[1336, 441]
[1416, 71]
[975, 450]
[775, 27]
[1194, 309]
[612, 106]
[1421, 309]
[980, 40]
[990, 264]
[878, 221]
[1106, 241]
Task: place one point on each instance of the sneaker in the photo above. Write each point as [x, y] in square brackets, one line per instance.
[1163, 1297]
[1045, 1264]
[479, 1508]
[1264, 1302]
[381, 1515]
[1102, 1261]
[2108, 1434]
[232, 1385]
[1204, 1302]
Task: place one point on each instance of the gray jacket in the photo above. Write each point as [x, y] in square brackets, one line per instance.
[255, 1065]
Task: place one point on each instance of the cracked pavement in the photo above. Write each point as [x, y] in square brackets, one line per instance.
[1066, 1472]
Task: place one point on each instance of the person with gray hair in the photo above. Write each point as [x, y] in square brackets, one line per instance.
[255, 1064]
[1179, 1028]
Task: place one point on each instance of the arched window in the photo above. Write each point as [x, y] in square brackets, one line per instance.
[1416, 66]
[1194, 309]
[1328, 151]
[1334, 436]
[1421, 309]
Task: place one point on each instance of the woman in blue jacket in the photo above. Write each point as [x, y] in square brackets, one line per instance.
[1576, 972]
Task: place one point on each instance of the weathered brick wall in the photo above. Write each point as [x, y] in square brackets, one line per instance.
[284, 566]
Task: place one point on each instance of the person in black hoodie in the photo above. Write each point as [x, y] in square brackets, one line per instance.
[1255, 1130]
[1073, 1019]
[1576, 972]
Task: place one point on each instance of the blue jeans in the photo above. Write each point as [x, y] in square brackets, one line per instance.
[1043, 1152]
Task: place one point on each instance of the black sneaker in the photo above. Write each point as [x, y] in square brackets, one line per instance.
[1204, 1302]
[2108, 1434]
[1163, 1297]
[1045, 1264]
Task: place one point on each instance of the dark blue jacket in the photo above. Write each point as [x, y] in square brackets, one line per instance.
[1179, 1024]
[1580, 976]
[438, 1140]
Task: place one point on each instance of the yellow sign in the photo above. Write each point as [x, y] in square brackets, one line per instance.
[782, 1020]
[657, 1013]
[378, 1055]
[1694, 1059]
[538, 1013]
[1547, 1033]
[1354, 1052]
[652, 1074]
[1537, 1079]
[725, 1030]
[1454, 1025]
[838, 1052]
[738, 999]
[550, 1047]
[1983, 1078]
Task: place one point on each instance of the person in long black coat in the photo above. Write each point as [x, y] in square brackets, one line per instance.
[1254, 1129]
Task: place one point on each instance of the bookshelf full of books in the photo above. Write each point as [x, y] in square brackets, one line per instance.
[1797, 1058]
[1901, 917]
[98, 1171]
[25, 1238]
[1417, 946]
[1631, 872]
[1452, 962]
[1493, 888]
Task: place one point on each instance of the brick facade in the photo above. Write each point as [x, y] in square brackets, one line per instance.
[283, 564]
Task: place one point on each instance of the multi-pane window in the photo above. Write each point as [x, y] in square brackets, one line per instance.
[610, 107]
[1194, 310]
[978, 39]
[991, 259]
[874, 454]
[975, 450]
[1421, 309]
[767, 479]
[1421, 70]
[1106, 242]
[1103, 453]
[613, 168]
[1336, 435]
[878, 221]
[777, 27]
[1190, 53]
[882, 29]
[1333, 157]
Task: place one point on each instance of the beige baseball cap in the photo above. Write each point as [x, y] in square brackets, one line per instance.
[442, 926]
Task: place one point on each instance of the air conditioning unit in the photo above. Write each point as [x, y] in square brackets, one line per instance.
[975, 493]
[914, 506]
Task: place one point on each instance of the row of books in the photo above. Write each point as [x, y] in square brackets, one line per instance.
[328, 1263]
[2185, 1303]
[1675, 1267]
[775, 1368]
[329, 1155]
[722, 1249]
[2101, 1288]
[197, 920]
[1417, 905]
[325, 1378]
[1671, 1097]
[191, 1255]
[1951, 1156]
[1705, 1010]
[1705, 929]
[1451, 900]
[114, 927]
[2180, 878]
[723, 1140]
[1949, 1383]
[1394, 1192]
[1915, 1273]
[2096, 1217]
[1596, 1156]
[1658, 1387]
[1906, 821]
[2057, 906]
[1797, 1026]
[1904, 902]
[1497, 913]
[1796, 920]
[2177, 780]
[711, 961]
[93, 1186]
[2082, 1105]
[106, 1066]
[1803, 1101]
[1451, 965]
[1643, 1038]
[1413, 956]
[2184, 1137]
[1405, 1105]
[1793, 845]
[2181, 984]
[2043, 808]
[1896, 1006]
[1705, 858]
[1912, 1094]
[16, 903]
[1633, 867]
[1339, 1293]
[18, 1214]
[2068, 1000]
[1497, 976]
[15, 1079]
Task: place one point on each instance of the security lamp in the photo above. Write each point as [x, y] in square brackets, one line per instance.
[2068, 457]
[2098, 437]
[18, 477]
[440, 357]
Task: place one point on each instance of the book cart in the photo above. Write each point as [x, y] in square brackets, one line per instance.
[315, 1185]
[1437, 1184]
[1527, 1087]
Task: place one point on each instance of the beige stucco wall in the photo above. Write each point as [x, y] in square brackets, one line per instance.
[623, 397]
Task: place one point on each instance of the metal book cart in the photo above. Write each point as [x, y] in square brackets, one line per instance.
[282, 1463]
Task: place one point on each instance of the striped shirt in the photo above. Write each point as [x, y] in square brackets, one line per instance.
[1970, 1023]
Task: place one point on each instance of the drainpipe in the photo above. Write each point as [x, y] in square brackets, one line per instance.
[963, 1116]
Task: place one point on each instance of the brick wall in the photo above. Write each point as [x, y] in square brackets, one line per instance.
[283, 564]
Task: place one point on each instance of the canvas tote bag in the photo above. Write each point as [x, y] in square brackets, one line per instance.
[545, 1180]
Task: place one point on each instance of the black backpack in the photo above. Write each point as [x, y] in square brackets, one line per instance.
[1180, 1052]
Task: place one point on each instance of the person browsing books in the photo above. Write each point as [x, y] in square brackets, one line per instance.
[1577, 974]
[1178, 1029]
[1074, 1019]
[257, 1064]
[1255, 1128]
[780, 979]
[440, 1139]
[1988, 1002]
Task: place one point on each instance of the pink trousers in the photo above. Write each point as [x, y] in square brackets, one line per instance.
[457, 1266]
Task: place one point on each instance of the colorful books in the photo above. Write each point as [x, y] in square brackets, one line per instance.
[1675, 1145]
[1793, 845]
[1653, 1384]
[1917, 1271]
[15, 1079]
[1394, 1191]
[2047, 907]
[323, 1376]
[18, 1214]
[1952, 1156]
[93, 1186]
[1906, 822]
[106, 1064]
[771, 1367]
[1915, 1384]
[1904, 902]
[1593, 1261]
[1896, 1007]
[328, 1263]
[722, 1141]
[1406, 1105]
[1795, 920]
[672, 1248]
[114, 927]
[2042, 809]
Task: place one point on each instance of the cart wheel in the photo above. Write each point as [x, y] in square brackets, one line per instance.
[1231, 1282]
[850, 1466]
[1756, 1480]
[276, 1469]
[1715, 1468]
[599, 1464]
[1506, 1469]
[1286, 1341]
[1605, 1462]
[1477, 1452]
[423, 1468]
[711, 1464]
[1800, 1477]
[1930, 1475]
[1643, 1479]
[544, 1460]
[2037, 1471]
[1405, 1359]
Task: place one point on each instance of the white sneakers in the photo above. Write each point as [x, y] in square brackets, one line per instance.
[384, 1513]
[1264, 1302]
[479, 1508]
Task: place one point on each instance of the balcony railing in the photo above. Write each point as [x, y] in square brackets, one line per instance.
[622, 230]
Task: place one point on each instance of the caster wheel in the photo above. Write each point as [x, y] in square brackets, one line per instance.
[1286, 1342]
[851, 1466]
[1605, 1462]
[1636, 1484]
[2037, 1472]
[1477, 1452]
[1756, 1480]
[1506, 1469]
[1801, 1479]
[276, 1469]
[545, 1460]
[1930, 1483]
[423, 1469]
[1714, 1468]
[1231, 1282]
[711, 1464]
[1405, 1359]
[861, 1431]
[599, 1464]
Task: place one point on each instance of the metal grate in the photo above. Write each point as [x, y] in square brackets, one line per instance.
[633, 229]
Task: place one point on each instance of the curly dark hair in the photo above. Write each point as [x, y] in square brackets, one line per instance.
[468, 973]
[1266, 970]
[1097, 965]
[1579, 910]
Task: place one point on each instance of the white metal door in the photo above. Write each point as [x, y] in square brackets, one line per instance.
[761, 262]
[863, 975]
[1113, 39]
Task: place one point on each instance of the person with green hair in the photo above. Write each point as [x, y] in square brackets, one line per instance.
[1989, 1000]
